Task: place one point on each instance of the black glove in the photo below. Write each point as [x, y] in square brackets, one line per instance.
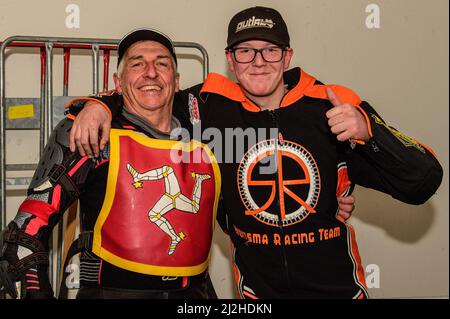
[7, 281]
[13, 269]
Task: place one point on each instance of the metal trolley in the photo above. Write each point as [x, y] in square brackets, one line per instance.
[48, 115]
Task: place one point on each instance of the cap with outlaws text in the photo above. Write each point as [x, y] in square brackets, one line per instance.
[258, 23]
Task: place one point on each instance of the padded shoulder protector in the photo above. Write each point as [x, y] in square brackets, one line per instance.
[57, 144]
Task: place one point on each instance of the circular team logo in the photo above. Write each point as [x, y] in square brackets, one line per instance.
[278, 150]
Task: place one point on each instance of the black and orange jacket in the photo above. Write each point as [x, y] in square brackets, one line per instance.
[279, 190]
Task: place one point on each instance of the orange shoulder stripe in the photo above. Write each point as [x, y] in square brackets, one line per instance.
[219, 84]
[306, 82]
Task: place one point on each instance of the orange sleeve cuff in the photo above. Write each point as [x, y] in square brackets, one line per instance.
[366, 117]
[72, 117]
[369, 126]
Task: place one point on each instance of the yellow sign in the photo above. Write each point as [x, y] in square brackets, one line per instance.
[20, 111]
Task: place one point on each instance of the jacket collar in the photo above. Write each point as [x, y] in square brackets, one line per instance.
[296, 78]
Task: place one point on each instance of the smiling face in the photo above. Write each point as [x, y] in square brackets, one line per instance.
[147, 78]
[261, 81]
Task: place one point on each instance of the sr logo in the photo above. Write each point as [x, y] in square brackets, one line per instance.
[308, 179]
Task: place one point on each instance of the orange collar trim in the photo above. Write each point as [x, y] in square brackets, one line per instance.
[219, 84]
[306, 81]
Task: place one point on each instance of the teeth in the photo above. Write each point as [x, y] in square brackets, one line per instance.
[151, 87]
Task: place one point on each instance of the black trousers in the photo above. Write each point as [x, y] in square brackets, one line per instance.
[202, 290]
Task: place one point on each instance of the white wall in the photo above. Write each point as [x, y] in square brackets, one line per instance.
[400, 68]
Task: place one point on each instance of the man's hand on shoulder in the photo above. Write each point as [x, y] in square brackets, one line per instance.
[84, 134]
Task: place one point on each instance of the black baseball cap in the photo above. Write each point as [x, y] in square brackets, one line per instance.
[142, 35]
[258, 23]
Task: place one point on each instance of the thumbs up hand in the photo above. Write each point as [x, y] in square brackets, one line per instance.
[345, 120]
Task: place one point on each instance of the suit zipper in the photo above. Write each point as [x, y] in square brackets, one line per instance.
[280, 222]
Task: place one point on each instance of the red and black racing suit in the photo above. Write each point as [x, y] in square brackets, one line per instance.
[61, 178]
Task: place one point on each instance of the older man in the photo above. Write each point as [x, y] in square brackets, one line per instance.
[146, 221]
